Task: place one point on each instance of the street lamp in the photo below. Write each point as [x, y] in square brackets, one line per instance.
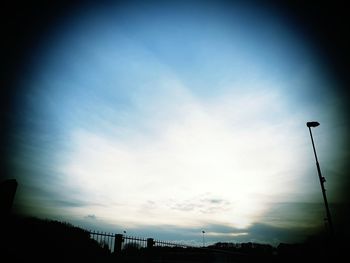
[310, 125]
[203, 237]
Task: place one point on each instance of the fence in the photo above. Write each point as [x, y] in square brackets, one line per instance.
[106, 240]
[138, 249]
[118, 242]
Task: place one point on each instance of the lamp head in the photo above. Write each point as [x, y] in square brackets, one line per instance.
[312, 124]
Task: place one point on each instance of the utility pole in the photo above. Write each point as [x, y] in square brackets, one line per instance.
[321, 178]
[203, 238]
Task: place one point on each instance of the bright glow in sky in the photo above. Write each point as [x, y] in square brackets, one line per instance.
[195, 165]
[190, 116]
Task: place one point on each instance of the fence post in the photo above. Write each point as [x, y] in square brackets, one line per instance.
[150, 243]
[118, 240]
[149, 251]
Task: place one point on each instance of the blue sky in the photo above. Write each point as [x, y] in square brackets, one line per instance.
[167, 119]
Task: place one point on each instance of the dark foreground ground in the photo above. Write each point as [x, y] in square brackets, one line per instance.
[37, 240]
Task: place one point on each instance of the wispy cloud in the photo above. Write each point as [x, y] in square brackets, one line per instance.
[199, 146]
[202, 205]
[91, 217]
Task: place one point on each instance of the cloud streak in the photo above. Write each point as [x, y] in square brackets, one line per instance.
[197, 147]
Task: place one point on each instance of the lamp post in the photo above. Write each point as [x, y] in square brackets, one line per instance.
[310, 125]
[203, 237]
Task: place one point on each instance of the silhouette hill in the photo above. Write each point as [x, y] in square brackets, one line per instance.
[37, 240]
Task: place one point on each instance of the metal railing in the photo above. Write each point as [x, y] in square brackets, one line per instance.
[140, 249]
[106, 240]
[133, 242]
[160, 243]
[117, 242]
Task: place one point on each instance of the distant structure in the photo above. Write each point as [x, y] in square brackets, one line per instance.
[7, 195]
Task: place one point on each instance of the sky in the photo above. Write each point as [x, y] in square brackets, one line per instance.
[164, 119]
